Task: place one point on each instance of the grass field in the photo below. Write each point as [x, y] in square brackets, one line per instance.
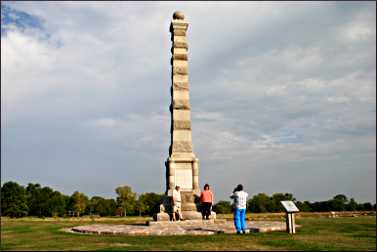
[317, 233]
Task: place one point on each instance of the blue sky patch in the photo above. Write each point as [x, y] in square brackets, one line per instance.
[15, 19]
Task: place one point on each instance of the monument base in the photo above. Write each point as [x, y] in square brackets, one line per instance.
[194, 215]
[187, 215]
[184, 223]
[191, 215]
[161, 217]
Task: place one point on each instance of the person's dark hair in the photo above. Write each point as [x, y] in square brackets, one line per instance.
[238, 188]
[176, 187]
[206, 186]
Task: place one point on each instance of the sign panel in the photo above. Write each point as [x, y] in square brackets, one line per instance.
[289, 206]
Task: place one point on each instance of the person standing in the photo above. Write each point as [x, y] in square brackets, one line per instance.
[239, 197]
[177, 203]
[206, 201]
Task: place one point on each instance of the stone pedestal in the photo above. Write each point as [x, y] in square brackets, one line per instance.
[161, 217]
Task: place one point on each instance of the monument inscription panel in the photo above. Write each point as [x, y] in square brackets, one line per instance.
[183, 178]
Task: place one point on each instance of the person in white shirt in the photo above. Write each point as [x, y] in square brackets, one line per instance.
[239, 202]
[177, 203]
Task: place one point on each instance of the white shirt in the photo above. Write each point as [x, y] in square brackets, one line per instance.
[176, 196]
[240, 199]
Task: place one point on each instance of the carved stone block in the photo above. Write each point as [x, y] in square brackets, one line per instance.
[182, 125]
[179, 32]
[180, 70]
[182, 146]
[181, 104]
[180, 56]
[180, 86]
[180, 45]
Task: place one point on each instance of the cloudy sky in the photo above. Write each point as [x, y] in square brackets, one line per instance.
[283, 96]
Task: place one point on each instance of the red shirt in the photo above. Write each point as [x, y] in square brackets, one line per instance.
[206, 196]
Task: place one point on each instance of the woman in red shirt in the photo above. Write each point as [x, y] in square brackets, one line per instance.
[206, 201]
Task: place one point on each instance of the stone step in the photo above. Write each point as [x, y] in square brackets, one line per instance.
[181, 223]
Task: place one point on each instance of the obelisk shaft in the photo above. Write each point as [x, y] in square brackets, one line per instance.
[182, 165]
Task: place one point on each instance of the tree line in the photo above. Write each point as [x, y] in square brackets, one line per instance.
[262, 203]
[35, 200]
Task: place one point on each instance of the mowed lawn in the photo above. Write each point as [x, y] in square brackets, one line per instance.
[317, 233]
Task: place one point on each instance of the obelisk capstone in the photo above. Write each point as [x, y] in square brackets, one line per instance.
[182, 166]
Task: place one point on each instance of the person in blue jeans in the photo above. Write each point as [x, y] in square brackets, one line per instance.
[239, 202]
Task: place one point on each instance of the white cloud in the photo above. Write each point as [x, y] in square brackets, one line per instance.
[338, 99]
[105, 123]
[280, 90]
[24, 60]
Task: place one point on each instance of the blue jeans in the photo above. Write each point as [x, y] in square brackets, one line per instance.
[239, 219]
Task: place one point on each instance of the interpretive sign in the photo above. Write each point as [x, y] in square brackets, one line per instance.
[289, 206]
[290, 210]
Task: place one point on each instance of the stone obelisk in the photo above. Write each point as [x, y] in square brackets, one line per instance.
[182, 167]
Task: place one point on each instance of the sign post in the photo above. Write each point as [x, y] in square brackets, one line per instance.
[290, 209]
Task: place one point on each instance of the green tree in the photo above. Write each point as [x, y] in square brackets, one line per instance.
[352, 205]
[223, 207]
[45, 204]
[44, 201]
[338, 203]
[259, 203]
[34, 199]
[13, 200]
[126, 199]
[367, 206]
[149, 203]
[92, 206]
[56, 204]
[276, 206]
[304, 206]
[140, 207]
[106, 207]
[78, 202]
[341, 198]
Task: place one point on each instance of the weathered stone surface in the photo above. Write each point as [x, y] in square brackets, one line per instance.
[178, 25]
[181, 115]
[182, 146]
[182, 135]
[180, 78]
[178, 15]
[179, 39]
[180, 64]
[179, 51]
[161, 217]
[182, 125]
[179, 32]
[181, 95]
[191, 214]
[181, 104]
[200, 222]
[180, 56]
[187, 227]
[188, 196]
[180, 45]
[177, 86]
[180, 70]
